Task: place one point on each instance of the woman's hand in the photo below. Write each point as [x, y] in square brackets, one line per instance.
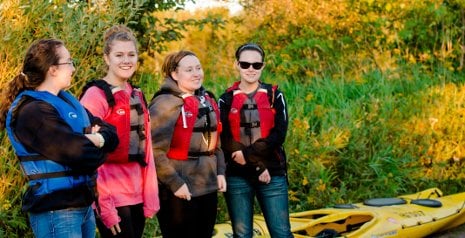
[238, 157]
[183, 193]
[221, 183]
[265, 177]
[95, 129]
[96, 138]
[115, 229]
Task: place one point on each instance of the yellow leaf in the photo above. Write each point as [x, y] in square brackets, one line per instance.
[305, 181]
[388, 7]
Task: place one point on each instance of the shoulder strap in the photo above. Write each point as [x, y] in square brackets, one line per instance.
[270, 90]
[211, 94]
[103, 85]
[134, 89]
[226, 100]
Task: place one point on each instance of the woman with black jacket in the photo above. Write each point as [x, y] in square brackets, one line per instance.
[255, 122]
[59, 144]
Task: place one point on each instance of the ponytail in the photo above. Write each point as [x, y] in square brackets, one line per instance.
[39, 57]
[9, 93]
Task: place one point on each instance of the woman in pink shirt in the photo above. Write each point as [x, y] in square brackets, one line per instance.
[127, 181]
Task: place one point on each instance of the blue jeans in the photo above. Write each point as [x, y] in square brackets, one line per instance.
[273, 200]
[65, 223]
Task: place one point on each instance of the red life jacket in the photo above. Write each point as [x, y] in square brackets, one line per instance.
[186, 135]
[120, 117]
[261, 102]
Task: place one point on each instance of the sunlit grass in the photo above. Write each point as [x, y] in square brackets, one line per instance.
[378, 123]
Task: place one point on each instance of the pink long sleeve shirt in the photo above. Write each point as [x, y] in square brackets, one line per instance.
[123, 184]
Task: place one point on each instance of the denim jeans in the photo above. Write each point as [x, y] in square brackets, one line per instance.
[65, 223]
[273, 201]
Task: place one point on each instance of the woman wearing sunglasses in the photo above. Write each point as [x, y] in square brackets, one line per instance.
[255, 121]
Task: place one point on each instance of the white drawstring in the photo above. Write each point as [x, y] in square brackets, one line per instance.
[183, 114]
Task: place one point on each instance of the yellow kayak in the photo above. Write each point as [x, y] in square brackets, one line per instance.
[259, 227]
[414, 215]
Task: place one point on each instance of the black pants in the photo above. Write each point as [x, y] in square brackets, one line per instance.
[181, 218]
[132, 223]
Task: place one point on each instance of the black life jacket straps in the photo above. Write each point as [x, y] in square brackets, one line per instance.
[106, 87]
[270, 91]
[103, 85]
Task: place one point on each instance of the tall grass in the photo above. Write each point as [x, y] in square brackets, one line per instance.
[350, 140]
[81, 27]
[12, 184]
[376, 132]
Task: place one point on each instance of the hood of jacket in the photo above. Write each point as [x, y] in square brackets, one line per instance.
[169, 85]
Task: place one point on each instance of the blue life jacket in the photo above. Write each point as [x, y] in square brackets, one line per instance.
[47, 176]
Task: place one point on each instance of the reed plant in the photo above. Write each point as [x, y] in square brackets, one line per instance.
[351, 140]
[364, 122]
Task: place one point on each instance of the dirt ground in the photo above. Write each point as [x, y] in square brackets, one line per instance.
[458, 232]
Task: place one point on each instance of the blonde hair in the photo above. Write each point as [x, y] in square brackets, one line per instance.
[120, 33]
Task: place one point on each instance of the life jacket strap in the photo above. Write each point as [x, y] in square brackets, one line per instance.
[202, 129]
[204, 111]
[48, 175]
[200, 153]
[251, 106]
[26, 158]
[138, 108]
[140, 130]
[250, 124]
[139, 158]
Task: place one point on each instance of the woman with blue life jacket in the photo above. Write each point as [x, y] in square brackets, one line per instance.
[127, 181]
[59, 144]
[189, 161]
[255, 122]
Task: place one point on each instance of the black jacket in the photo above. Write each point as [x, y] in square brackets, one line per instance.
[40, 129]
[265, 153]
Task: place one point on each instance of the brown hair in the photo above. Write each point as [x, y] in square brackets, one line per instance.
[40, 56]
[120, 33]
[172, 60]
[250, 46]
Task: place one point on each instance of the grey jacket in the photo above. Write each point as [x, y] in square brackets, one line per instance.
[199, 173]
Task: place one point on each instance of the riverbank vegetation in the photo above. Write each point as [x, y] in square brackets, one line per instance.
[375, 89]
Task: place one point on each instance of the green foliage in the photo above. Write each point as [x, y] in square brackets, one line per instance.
[351, 37]
[354, 140]
[375, 89]
[80, 24]
[12, 220]
[154, 31]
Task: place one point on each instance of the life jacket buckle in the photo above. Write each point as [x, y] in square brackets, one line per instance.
[255, 124]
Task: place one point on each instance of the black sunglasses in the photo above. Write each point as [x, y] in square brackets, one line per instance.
[246, 65]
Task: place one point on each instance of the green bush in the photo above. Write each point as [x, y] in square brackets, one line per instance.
[80, 24]
[374, 88]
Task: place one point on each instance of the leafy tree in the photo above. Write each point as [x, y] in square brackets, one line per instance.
[353, 37]
[80, 24]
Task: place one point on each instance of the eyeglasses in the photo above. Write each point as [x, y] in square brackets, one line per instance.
[246, 65]
[71, 62]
